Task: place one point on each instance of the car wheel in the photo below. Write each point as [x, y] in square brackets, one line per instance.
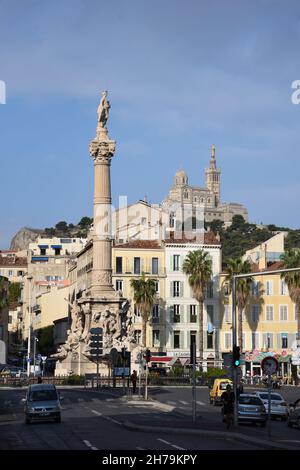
[27, 420]
[290, 424]
[283, 418]
[58, 419]
[263, 424]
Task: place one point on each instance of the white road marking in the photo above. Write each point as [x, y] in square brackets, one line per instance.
[177, 447]
[112, 419]
[95, 412]
[165, 442]
[169, 443]
[200, 403]
[183, 402]
[88, 444]
[140, 448]
[171, 402]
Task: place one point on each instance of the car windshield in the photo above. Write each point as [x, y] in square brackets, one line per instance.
[223, 385]
[43, 395]
[250, 401]
[264, 396]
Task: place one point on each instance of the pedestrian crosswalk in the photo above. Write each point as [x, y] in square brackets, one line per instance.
[183, 404]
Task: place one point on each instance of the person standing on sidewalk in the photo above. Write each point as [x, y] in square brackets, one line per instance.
[133, 379]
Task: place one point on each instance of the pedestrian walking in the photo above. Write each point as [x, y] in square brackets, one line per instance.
[228, 399]
[133, 379]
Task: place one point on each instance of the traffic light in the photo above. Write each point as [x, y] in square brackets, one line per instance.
[236, 356]
[148, 355]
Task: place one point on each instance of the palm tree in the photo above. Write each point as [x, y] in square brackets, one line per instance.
[144, 297]
[291, 259]
[243, 290]
[198, 266]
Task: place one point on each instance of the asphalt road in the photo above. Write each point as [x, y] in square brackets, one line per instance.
[181, 398]
[94, 420]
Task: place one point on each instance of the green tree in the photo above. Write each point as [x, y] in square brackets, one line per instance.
[216, 226]
[291, 259]
[85, 222]
[144, 297]
[3, 292]
[61, 226]
[243, 289]
[46, 340]
[198, 267]
[14, 292]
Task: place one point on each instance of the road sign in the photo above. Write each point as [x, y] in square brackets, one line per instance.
[44, 358]
[296, 356]
[269, 365]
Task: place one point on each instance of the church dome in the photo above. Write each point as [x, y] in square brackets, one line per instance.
[180, 178]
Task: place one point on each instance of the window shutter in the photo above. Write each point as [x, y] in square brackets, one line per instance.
[181, 289]
[291, 338]
[181, 340]
[182, 319]
[278, 340]
[171, 313]
[188, 340]
[171, 288]
[171, 336]
[205, 339]
[265, 340]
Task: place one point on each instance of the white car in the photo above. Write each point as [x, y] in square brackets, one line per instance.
[279, 408]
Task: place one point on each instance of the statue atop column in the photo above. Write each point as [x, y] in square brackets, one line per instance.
[103, 110]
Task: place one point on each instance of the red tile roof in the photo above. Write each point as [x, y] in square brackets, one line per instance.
[208, 238]
[146, 244]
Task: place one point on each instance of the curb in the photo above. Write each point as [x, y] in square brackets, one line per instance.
[203, 433]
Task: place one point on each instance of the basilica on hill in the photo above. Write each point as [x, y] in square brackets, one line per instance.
[207, 199]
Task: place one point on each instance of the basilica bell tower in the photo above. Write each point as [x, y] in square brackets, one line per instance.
[213, 178]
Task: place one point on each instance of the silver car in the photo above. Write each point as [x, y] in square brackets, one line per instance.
[251, 410]
[294, 414]
[42, 402]
[279, 407]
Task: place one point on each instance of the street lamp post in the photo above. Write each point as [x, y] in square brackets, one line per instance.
[34, 353]
[29, 278]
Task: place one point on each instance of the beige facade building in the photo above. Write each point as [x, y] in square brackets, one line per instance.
[48, 265]
[269, 319]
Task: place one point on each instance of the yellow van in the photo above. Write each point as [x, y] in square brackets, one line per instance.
[218, 388]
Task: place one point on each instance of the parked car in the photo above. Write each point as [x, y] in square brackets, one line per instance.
[251, 409]
[218, 388]
[294, 414]
[279, 407]
[42, 402]
[12, 371]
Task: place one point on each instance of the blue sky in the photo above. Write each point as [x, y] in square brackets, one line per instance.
[181, 75]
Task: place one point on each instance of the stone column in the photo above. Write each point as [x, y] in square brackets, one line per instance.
[102, 149]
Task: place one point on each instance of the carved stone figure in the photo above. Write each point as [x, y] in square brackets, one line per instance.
[103, 110]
